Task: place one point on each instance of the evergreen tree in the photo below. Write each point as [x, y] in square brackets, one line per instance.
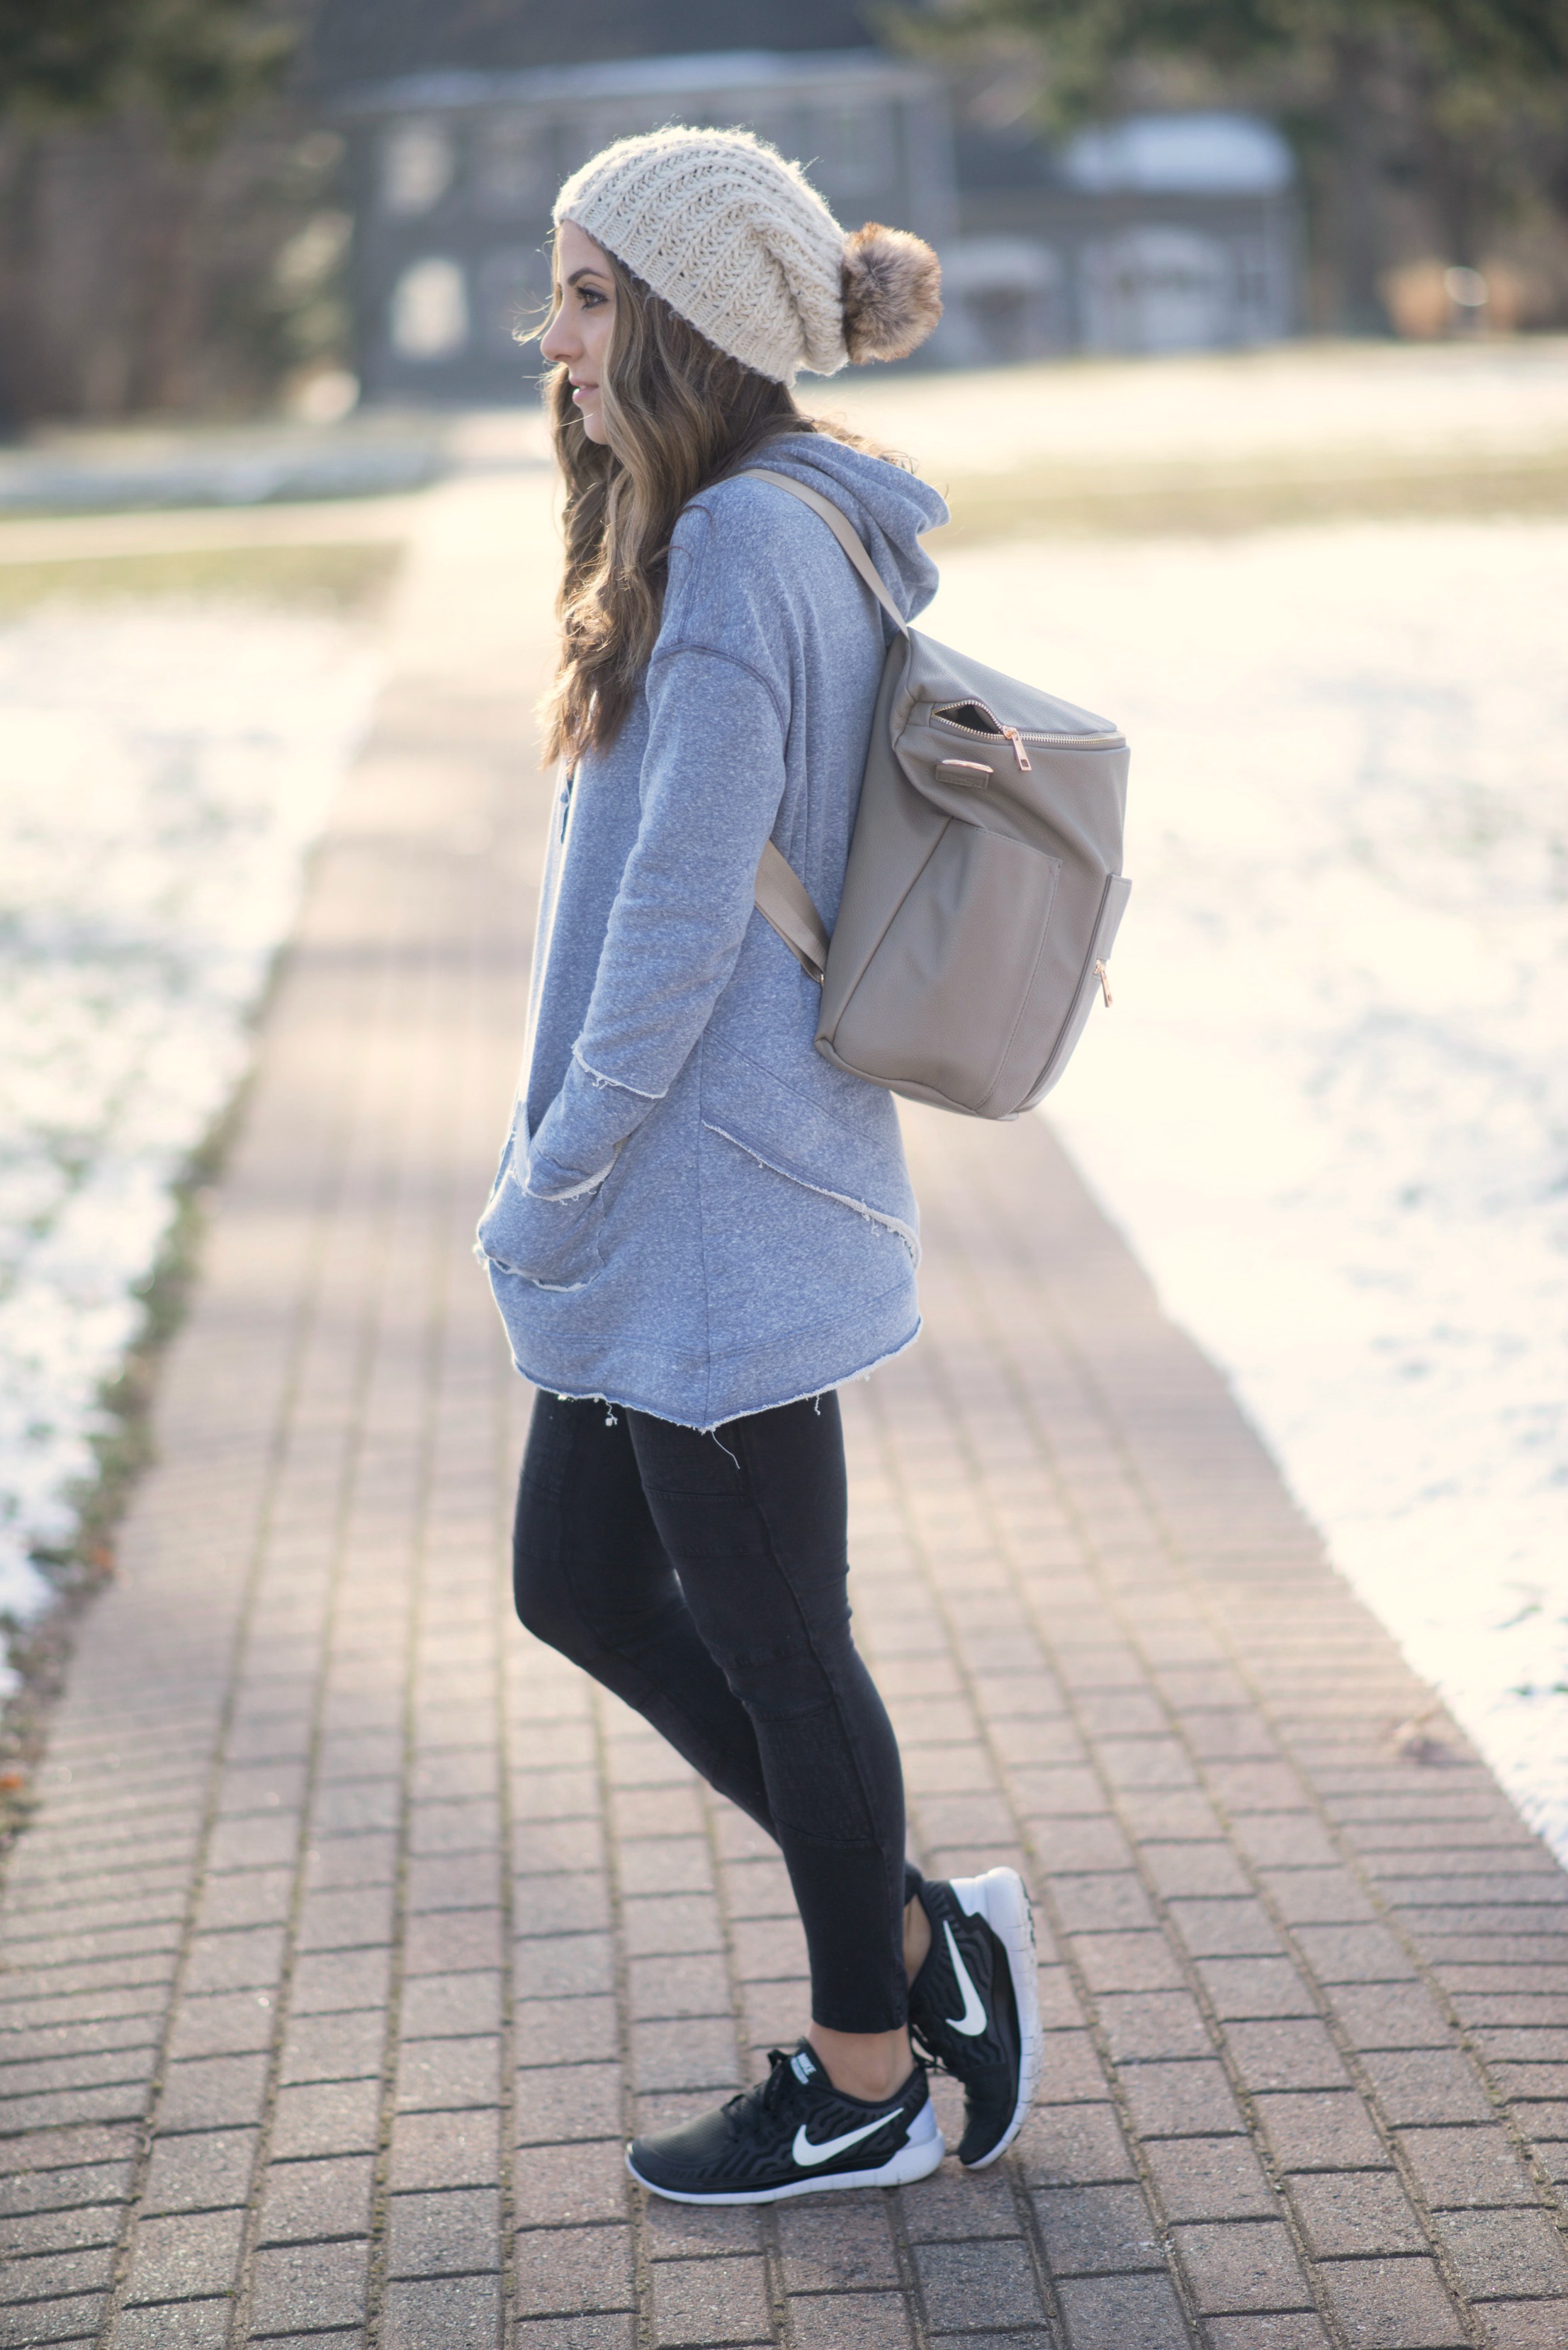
[1469, 98]
[194, 63]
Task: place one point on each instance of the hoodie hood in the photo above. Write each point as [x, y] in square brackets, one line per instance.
[887, 507]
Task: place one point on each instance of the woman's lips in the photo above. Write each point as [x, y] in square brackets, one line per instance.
[582, 390]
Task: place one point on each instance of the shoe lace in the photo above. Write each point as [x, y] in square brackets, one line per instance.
[931, 2057]
[762, 2101]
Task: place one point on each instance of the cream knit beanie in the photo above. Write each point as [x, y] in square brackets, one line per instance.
[734, 239]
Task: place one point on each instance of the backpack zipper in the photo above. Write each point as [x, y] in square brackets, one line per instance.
[1018, 737]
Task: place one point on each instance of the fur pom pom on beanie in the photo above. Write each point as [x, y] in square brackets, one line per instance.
[737, 241]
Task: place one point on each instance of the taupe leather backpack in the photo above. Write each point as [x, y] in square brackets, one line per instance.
[983, 889]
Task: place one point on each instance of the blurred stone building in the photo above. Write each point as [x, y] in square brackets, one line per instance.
[1158, 234]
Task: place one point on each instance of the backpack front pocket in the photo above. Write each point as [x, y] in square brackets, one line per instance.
[957, 966]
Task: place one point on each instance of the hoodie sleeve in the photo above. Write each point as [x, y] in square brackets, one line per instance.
[711, 782]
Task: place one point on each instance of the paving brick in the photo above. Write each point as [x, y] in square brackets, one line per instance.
[1139, 2312]
[1190, 2099]
[1498, 2253]
[326, 2117]
[1322, 2131]
[437, 2074]
[555, 2101]
[1113, 1962]
[564, 2031]
[711, 2300]
[457, 2312]
[1066, 2146]
[562, 1966]
[457, 2233]
[331, 1981]
[1460, 2167]
[1300, 2331]
[212, 2092]
[194, 2324]
[1354, 1954]
[443, 2006]
[861, 2321]
[575, 2270]
[1153, 2025]
[954, 2205]
[683, 2232]
[359, 1918]
[569, 2185]
[78, 2228]
[337, 1863]
[839, 2245]
[597, 2332]
[304, 2288]
[1089, 2230]
[1391, 2304]
[1434, 2084]
[336, 2047]
[1526, 2325]
[1210, 2178]
[972, 2286]
[1287, 2055]
[436, 2150]
[200, 2172]
[1405, 2017]
[186, 2256]
[306, 2202]
[248, 1961]
[224, 2024]
[699, 2053]
[32, 2278]
[1355, 2212]
[662, 1988]
[1241, 2265]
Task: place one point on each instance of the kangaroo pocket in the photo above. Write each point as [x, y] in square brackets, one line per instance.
[555, 1244]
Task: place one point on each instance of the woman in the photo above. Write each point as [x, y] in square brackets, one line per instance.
[700, 1226]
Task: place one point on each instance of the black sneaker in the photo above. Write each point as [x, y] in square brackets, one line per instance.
[794, 2134]
[975, 2004]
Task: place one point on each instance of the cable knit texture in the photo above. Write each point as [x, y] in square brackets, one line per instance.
[730, 234]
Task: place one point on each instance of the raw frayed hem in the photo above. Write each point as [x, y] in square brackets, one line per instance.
[711, 1427]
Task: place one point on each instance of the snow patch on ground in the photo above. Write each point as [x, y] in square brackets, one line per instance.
[1330, 1107]
[162, 774]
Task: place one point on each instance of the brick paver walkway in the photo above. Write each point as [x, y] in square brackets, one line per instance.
[355, 1930]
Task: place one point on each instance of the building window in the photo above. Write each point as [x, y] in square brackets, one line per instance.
[418, 166]
[429, 310]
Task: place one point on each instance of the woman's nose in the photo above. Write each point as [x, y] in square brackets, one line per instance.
[558, 343]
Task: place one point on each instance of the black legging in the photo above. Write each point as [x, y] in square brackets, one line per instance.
[702, 1578]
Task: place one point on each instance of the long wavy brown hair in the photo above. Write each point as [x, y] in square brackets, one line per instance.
[679, 414]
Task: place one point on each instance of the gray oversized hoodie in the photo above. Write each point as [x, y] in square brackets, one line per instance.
[695, 1214]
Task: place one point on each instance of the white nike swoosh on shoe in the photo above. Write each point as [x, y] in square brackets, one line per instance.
[805, 2153]
[973, 2020]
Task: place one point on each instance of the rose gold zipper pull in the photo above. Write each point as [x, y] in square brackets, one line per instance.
[1019, 753]
[1105, 982]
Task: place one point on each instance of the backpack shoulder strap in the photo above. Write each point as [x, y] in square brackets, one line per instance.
[849, 538]
[783, 903]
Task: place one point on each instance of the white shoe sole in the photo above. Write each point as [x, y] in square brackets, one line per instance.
[999, 1897]
[916, 2158]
